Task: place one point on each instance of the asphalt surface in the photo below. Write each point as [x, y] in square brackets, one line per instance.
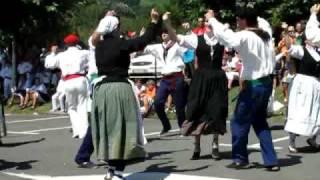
[41, 147]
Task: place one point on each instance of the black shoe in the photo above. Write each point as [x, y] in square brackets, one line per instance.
[273, 168]
[238, 165]
[312, 143]
[87, 165]
[195, 156]
[164, 131]
[215, 154]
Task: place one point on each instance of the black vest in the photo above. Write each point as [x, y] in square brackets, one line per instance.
[308, 66]
[204, 57]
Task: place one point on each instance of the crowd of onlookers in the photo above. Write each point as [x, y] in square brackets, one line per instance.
[34, 84]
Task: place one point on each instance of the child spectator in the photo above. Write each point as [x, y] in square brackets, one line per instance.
[148, 97]
[37, 94]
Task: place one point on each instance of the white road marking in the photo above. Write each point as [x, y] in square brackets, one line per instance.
[38, 119]
[257, 145]
[133, 176]
[36, 132]
[157, 133]
[27, 133]
[48, 129]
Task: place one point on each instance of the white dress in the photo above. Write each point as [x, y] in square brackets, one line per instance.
[304, 101]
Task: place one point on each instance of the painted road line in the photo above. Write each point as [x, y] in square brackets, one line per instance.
[257, 145]
[26, 133]
[157, 133]
[133, 176]
[48, 129]
[38, 119]
[249, 147]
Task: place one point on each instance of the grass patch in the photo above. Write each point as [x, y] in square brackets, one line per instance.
[15, 109]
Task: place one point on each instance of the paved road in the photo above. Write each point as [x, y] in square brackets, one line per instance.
[41, 147]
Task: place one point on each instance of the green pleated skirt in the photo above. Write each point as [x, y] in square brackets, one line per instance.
[114, 122]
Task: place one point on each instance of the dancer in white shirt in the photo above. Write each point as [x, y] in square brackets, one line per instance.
[172, 82]
[253, 42]
[73, 64]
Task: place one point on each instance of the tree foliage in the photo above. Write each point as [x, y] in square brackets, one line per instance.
[43, 21]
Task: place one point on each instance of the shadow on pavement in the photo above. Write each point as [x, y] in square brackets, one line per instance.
[18, 165]
[283, 162]
[151, 155]
[290, 161]
[308, 149]
[225, 154]
[161, 167]
[277, 127]
[8, 145]
[166, 138]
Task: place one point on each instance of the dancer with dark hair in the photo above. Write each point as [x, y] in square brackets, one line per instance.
[207, 105]
[253, 42]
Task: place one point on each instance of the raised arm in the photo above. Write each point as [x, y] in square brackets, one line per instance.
[312, 28]
[225, 36]
[187, 41]
[150, 34]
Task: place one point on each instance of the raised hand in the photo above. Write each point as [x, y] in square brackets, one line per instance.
[315, 9]
[166, 16]
[186, 25]
[209, 14]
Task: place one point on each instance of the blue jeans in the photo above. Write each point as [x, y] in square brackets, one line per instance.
[251, 109]
[177, 88]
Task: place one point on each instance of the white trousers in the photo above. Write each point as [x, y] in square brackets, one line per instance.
[58, 101]
[76, 97]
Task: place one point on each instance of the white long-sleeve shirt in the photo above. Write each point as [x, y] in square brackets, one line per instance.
[257, 56]
[313, 30]
[92, 67]
[297, 52]
[173, 61]
[71, 61]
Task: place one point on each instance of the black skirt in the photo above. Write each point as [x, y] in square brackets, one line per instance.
[208, 100]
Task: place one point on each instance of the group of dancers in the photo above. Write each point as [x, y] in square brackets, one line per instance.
[115, 131]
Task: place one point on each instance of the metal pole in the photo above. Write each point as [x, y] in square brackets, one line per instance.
[2, 117]
[14, 65]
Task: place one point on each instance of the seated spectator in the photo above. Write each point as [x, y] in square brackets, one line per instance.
[232, 68]
[148, 97]
[37, 94]
[20, 91]
[58, 98]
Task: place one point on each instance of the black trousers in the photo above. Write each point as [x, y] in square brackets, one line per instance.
[86, 149]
